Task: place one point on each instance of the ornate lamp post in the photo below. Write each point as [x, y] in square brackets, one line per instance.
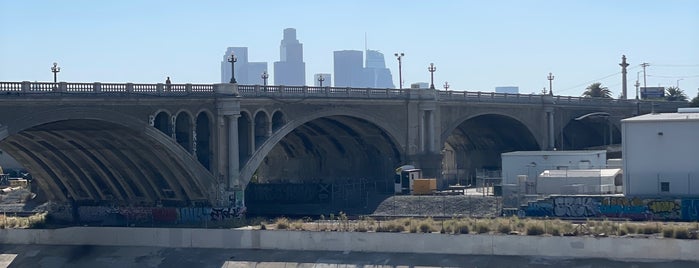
[399, 56]
[432, 68]
[264, 76]
[550, 77]
[320, 80]
[232, 59]
[55, 69]
[446, 85]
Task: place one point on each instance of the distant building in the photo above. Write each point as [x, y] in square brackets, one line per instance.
[327, 80]
[660, 154]
[255, 70]
[290, 69]
[376, 75]
[533, 163]
[420, 85]
[348, 69]
[508, 90]
[245, 72]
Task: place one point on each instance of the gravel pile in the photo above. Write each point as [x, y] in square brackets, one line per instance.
[439, 206]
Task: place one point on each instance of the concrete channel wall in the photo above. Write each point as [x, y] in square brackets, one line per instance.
[577, 247]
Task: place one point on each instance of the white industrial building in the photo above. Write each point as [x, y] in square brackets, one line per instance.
[661, 154]
[580, 181]
[533, 163]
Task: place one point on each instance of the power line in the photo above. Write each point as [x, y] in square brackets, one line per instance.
[676, 65]
[675, 76]
[591, 81]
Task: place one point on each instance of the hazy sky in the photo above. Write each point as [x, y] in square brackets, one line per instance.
[476, 45]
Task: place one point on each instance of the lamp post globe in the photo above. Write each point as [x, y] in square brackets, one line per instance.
[550, 78]
[431, 69]
[232, 59]
[320, 80]
[399, 56]
[55, 69]
[264, 76]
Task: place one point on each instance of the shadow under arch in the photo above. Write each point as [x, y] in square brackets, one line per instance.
[259, 155]
[473, 145]
[102, 156]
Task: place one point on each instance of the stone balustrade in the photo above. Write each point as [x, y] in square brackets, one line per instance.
[282, 91]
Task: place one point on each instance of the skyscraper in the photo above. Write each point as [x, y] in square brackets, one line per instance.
[350, 72]
[247, 73]
[348, 68]
[377, 75]
[290, 69]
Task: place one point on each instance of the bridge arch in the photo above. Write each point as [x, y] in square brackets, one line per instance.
[161, 121]
[88, 155]
[475, 142]
[184, 129]
[583, 132]
[384, 132]
[262, 128]
[278, 120]
[203, 138]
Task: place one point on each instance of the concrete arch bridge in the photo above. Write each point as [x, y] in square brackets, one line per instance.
[203, 145]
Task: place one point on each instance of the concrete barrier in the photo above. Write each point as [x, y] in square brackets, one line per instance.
[573, 247]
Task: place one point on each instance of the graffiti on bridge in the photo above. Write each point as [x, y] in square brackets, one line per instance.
[622, 207]
[614, 207]
[142, 215]
[575, 207]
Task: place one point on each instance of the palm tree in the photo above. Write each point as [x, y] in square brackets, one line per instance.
[597, 91]
[675, 94]
[695, 101]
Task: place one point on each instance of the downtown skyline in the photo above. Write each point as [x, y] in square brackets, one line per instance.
[475, 46]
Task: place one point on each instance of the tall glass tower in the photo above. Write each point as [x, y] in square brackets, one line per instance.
[290, 69]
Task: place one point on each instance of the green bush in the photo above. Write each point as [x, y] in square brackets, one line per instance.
[482, 227]
[282, 223]
[462, 228]
[668, 231]
[630, 228]
[426, 227]
[682, 233]
[504, 228]
[297, 225]
[649, 228]
[535, 228]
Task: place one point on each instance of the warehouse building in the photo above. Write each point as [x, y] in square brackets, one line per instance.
[661, 154]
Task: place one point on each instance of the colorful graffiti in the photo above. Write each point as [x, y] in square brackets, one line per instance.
[614, 207]
[141, 215]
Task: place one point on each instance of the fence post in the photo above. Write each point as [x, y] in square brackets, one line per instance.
[26, 86]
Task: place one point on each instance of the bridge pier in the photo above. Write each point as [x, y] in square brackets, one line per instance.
[227, 152]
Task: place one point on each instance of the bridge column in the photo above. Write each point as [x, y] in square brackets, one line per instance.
[427, 126]
[227, 148]
[193, 144]
[551, 141]
[233, 150]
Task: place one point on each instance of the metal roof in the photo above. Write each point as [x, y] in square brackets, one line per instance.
[539, 153]
[663, 117]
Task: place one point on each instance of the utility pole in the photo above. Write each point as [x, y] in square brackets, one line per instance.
[644, 65]
[623, 65]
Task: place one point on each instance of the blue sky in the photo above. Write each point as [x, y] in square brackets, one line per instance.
[476, 45]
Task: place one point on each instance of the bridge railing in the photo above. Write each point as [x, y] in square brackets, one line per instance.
[327, 92]
[529, 98]
[106, 88]
[119, 89]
